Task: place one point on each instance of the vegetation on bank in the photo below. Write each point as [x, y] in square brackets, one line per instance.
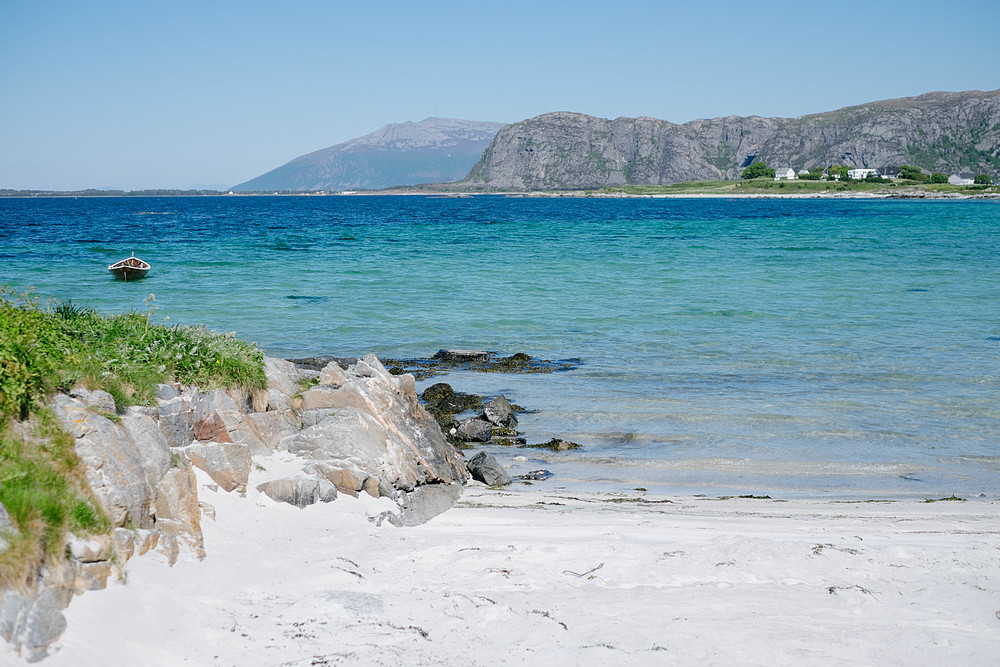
[894, 187]
[48, 347]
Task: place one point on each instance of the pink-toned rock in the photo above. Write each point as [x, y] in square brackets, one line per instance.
[177, 509]
[227, 463]
[212, 428]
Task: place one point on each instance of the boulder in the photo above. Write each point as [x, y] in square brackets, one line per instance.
[227, 463]
[379, 428]
[115, 469]
[485, 468]
[423, 504]
[332, 375]
[299, 491]
[499, 412]
[271, 428]
[474, 429]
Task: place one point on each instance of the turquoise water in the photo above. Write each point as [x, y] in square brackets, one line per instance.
[806, 347]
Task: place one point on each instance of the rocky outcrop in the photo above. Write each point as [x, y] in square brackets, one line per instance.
[946, 132]
[359, 430]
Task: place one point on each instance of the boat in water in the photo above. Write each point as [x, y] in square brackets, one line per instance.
[130, 268]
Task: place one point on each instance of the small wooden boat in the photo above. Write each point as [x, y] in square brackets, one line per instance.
[130, 268]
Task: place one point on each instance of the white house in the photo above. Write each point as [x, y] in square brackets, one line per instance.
[784, 173]
[962, 179]
[861, 174]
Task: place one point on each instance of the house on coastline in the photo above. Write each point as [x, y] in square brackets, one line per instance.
[861, 174]
[786, 173]
[963, 178]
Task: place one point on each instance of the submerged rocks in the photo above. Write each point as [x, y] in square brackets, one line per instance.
[500, 412]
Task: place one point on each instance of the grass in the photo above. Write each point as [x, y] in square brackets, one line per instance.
[45, 348]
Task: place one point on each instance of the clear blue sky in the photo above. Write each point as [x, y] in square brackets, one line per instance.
[173, 94]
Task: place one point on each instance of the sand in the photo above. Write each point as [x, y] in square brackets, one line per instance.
[535, 576]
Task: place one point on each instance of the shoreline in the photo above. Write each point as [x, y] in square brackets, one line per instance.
[564, 577]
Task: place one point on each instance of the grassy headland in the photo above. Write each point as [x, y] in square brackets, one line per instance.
[45, 348]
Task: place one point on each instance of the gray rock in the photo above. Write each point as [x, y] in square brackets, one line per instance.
[475, 429]
[299, 491]
[149, 442]
[485, 468]
[175, 422]
[271, 428]
[31, 622]
[499, 412]
[166, 392]
[115, 469]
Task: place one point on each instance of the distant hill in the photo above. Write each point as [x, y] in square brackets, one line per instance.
[946, 132]
[433, 150]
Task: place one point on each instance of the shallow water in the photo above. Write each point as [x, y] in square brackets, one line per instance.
[808, 347]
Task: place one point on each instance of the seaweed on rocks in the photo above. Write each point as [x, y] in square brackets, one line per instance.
[480, 361]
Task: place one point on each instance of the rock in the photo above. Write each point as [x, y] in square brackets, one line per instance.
[211, 428]
[177, 509]
[485, 468]
[499, 412]
[227, 463]
[124, 542]
[332, 375]
[115, 469]
[166, 392]
[535, 475]
[174, 421]
[88, 550]
[94, 576]
[271, 428]
[462, 356]
[438, 392]
[326, 397]
[299, 491]
[475, 429]
[282, 375]
[146, 540]
[381, 430]
[31, 622]
[557, 445]
[149, 442]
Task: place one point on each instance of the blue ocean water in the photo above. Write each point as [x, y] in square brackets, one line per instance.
[790, 347]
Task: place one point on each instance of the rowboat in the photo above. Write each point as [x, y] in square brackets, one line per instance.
[130, 268]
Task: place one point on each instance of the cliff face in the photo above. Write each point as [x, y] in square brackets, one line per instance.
[433, 150]
[945, 132]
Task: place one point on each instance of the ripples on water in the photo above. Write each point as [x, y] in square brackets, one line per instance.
[818, 347]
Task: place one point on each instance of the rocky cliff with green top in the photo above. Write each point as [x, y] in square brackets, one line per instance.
[944, 132]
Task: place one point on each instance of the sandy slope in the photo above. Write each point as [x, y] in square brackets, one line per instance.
[533, 577]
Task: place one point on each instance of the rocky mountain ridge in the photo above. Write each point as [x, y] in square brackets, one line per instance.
[940, 131]
[429, 151]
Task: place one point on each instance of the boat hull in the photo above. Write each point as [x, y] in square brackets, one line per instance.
[130, 268]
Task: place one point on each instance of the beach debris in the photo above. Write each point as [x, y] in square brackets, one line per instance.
[832, 590]
[589, 573]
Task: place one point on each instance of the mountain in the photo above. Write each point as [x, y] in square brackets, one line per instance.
[434, 150]
[946, 132]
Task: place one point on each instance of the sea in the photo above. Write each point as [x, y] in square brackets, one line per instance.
[836, 348]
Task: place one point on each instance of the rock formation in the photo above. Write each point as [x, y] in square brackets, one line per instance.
[946, 132]
[358, 429]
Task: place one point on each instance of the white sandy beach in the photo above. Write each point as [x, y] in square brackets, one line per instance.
[529, 576]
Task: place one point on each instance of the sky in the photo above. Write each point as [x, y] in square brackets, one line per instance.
[137, 95]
